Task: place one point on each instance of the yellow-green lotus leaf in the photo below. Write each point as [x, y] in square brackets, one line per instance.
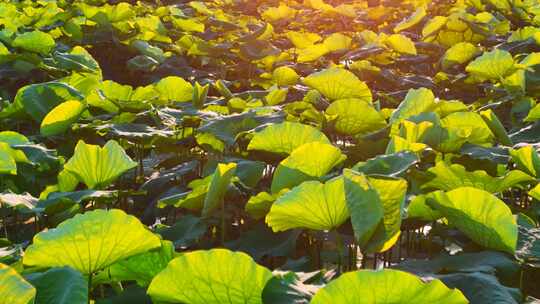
[387, 286]
[494, 65]
[355, 116]
[480, 215]
[534, 114]
[97, 166]
[311, 53]
[401, 44]
[210, 277]
[459, 53]
[303, 40]
[35, 41]
[285, 76]
[449, 177]
[310, 161]
[311, 205]
[468, 126]
[272, 14]
[411, 21]
[337, 42]
[416, 101]
[174, 89]
[60, 119]
[338, 83]
[527, 160]
[535, 192]
[218, 187]
[13, 288]
[91, 241]
[284, 137]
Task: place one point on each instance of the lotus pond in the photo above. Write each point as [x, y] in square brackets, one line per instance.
[269, 152]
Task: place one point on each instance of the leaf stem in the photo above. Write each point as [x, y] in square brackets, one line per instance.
[4, 221]
[339, 245]
[222, 222]
[89, 287]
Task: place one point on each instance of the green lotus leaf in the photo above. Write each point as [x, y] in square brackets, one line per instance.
[480, 215]
[285, 76]
[376, 205]
[527, 160]
[97, 166]
[78, 59]
[91, 241]
[494, 65]
[416, 102]
[454, 176]
[411, 21]
[249, 172]
[481, 287]
[9, 157]
[60, 286]
[364, 205]
[311, 205]
[338, 83]
[419, 209]
[185, 232]
[211, 277]
[60, 119]
[260, 242]
[386, 286]
[193, 200]
[303, 165]
[141, 267]
[459, 53]
[218, 187]
[496, 127]
[228, 128]
[56, 202]
[389, 164]
[13, 138]
[399, 144]
[174, 89]
[35, 41]
[528, 248]
[285, 137]
[492, 262]
[37, 100]
[401, 44]
[288, 287]
[13, 288]
[355, 116]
